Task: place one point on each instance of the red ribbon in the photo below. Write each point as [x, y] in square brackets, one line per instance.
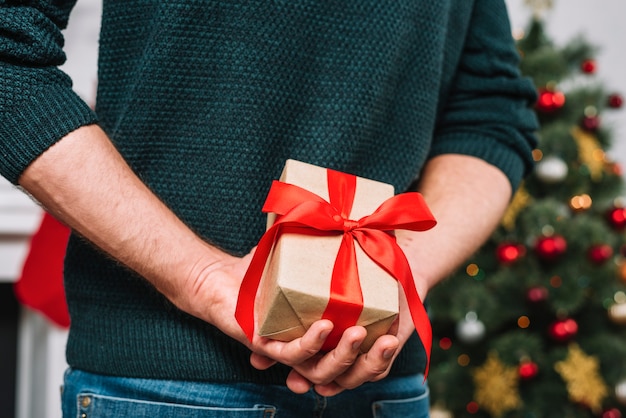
[304, 212]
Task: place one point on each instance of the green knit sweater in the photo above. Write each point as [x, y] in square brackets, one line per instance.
[207, 99]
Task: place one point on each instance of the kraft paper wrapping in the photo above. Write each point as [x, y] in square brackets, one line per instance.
[295, 287]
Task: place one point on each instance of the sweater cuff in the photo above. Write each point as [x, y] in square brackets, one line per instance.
[39, 121]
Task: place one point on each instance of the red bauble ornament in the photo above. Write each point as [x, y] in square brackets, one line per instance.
[508, 252]
[527, 370]
[615, 101]
[612, 413]
[617, 218]
[550, 247]
[588, 66]
[563, 330]
[550, 100]
[599, 253]
[537, 294]
[590, 123]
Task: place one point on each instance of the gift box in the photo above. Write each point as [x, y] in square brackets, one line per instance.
[329, 253]
[295, 288]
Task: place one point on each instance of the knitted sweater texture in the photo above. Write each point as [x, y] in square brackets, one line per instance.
[207, 99]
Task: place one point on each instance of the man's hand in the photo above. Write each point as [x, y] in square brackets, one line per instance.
[213, 291]
[367, 367]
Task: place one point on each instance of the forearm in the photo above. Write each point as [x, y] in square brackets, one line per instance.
[85, 183]
[468, 198]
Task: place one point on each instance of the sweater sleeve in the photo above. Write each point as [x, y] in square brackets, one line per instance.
[37, 103]
[488, 112]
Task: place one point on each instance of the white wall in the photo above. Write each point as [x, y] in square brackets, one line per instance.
[81, 47]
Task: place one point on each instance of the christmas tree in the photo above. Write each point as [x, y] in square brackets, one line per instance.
[534, 325]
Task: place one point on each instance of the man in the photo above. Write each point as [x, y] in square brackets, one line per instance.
[199, 105]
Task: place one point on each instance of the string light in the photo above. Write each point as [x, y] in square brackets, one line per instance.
[556, 281]
[463, 360]
[472, 270]
[580, 202]
[523, 321]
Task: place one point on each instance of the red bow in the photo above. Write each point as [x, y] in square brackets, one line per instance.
[304, 212]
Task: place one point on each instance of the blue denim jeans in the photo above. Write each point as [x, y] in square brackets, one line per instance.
[87, 395]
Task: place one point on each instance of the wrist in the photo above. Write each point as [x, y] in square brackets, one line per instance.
[211, 286]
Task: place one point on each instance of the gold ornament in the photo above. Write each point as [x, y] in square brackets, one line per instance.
[584, 383]
[590, 152]
[496, 386]
[520, 200]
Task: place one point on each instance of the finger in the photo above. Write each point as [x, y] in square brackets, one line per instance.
[296, 351]
[324, 369]
[297, 383]
[371, 366]
[261, 362]
[330, 389]
[395, 326]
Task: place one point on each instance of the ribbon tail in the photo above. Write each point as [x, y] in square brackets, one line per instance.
[382, 248]
[346, 298]
[244, 311]
[420, 320]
